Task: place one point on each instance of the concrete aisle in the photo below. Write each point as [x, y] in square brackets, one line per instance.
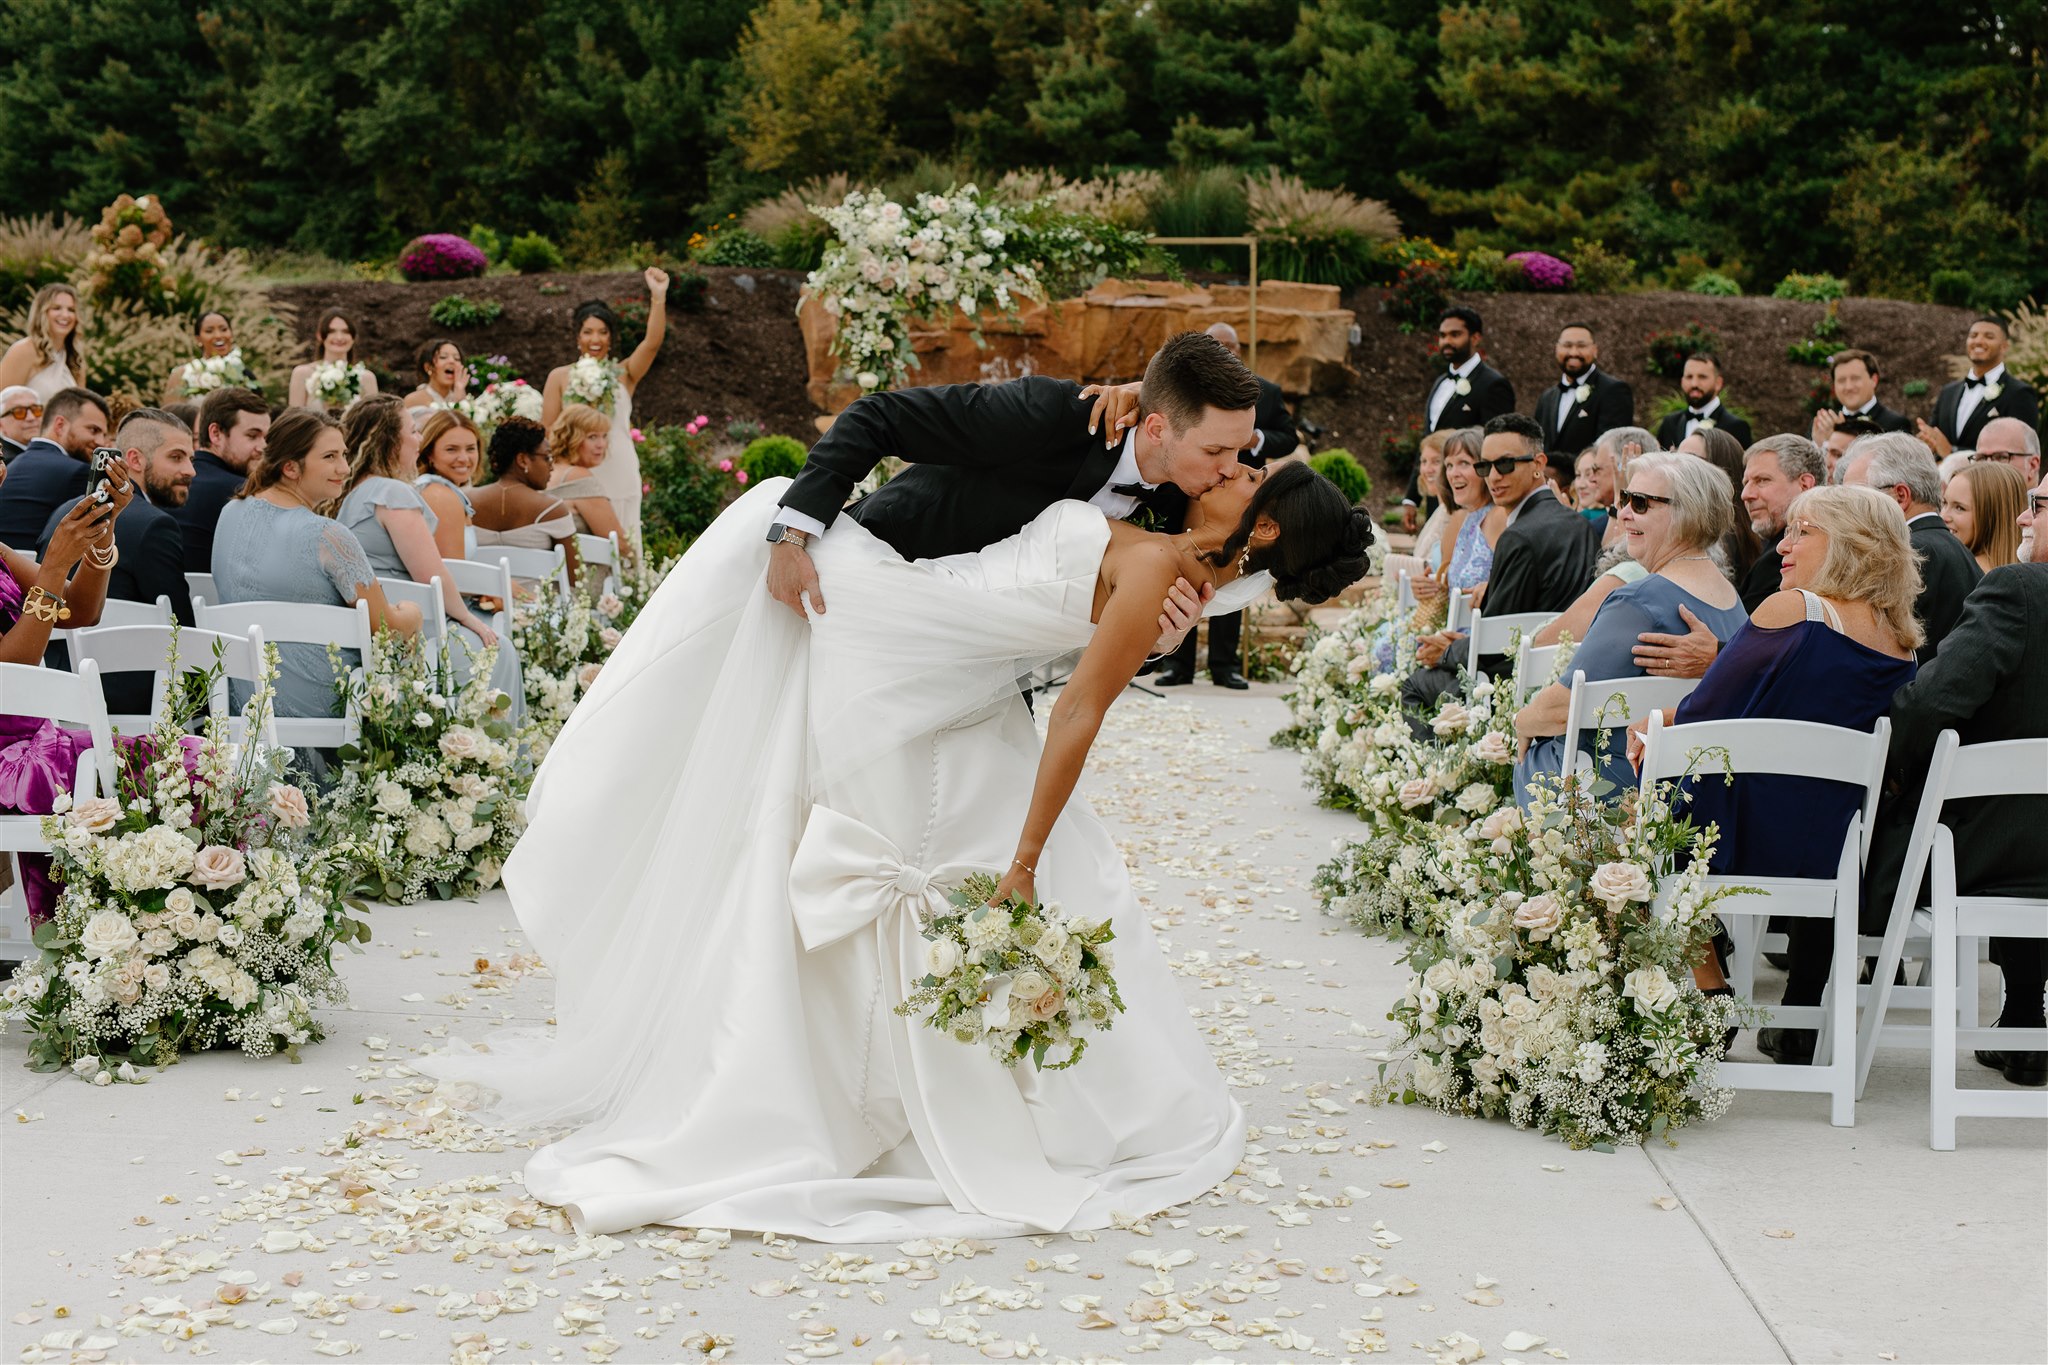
[257, 1210]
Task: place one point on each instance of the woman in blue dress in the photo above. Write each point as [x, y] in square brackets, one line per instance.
[1472, 527]
[1675, 509]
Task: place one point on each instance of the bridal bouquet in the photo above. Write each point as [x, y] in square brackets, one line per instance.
[592, 382]
[197, 911]
[1020, 977]
[432, 786]
[205, 374]
[498, 401]
[334, 384]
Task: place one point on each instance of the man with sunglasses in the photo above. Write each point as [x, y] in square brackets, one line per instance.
[1542, 562]
[21, 415]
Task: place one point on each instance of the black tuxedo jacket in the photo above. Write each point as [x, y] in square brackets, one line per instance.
[1491, 396]
[1543, 561]
[2016, 398]
[1272, 418]
[1671, 430]
[214, 486]
[152, 565]
[39, 480]
[1887, 419]
[1948, 575]
[1985, 685]
[1765, 577]
[10, 449]
[984, 460]
[1611, 404]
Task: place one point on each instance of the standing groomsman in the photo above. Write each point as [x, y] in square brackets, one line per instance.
[1587, 401]
[1701, 383]
[1470, 393]
[1984, 395]
[1855, 378]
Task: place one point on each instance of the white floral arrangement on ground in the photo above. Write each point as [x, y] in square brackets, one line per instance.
[592, 382]
[565, 639]
[197, 912]
[204, 374]
[431, 789]
[336, 384]
[1558, 992]
[1020, 978]
[513, 398]
[889, 264]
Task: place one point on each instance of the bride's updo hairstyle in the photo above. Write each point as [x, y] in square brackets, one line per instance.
[596, 308]
[1324, 545]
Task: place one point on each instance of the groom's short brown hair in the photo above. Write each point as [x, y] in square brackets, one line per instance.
[1193, 371]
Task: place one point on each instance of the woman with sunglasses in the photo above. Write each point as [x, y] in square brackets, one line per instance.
[1673, 511]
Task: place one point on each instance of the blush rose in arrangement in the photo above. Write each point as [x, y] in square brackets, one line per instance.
[198, 911]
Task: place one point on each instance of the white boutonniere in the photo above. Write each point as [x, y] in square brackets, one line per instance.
[1991, 392]
[1704, 424]
[1583, 392]
[1464, 386]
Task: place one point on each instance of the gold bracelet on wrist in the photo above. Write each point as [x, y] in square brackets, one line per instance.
[1028, 871]
[45, 606]
[113, 556]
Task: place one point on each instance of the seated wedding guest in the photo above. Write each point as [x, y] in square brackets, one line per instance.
[1614, 450]
[1989, 391]
[1472, 527]
[1428, 486]
[449, 450]
[1902, 468]
[515, 508]
[186, 410]
[51, 357]
[274, 545]
[597, 328]
[1984, 685]
[395, 528]
[444, 380]
[580, 443]
[1832, 648]
[1593, 488]
[1846, 433]
[2008, 440]
[1675, 509]
[1701, 382]
[231, 428]
[1543, 560]
[216, 337]
[149, 552]
[1558, 469]
[39, 758]
[1983, 505]
[334, 342]
[1739, 547]
[1856, 375]
[53, 468]
[21, 415]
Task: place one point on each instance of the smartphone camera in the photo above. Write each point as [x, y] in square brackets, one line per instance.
[104, 458]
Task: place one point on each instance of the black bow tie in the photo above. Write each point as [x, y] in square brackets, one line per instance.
[1974, 381]
[1696, 413]
[1130, 490]
[1568, 384]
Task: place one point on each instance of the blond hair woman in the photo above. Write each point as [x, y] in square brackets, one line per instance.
[580, 442]
[51, 356]
[1982, 505]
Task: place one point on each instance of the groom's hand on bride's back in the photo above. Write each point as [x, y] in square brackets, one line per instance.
[792, 576]
[1184, 603]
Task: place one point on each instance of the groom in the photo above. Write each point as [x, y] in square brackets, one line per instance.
[987, 458]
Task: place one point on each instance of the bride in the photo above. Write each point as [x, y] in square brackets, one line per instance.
[732, 839]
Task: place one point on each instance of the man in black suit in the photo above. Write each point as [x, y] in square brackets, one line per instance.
[1701, 382]
[1776, 470]
[1986, 394]
[232, 426]
[157, 448]
[1855, 379]
[1984, 685]
[54, 467]
[21, 415]
[1470, 392]
[1542, 561]
[1844, 434]
[1274, 439]
[1903, 469]
[987, 458]
[1587, 401]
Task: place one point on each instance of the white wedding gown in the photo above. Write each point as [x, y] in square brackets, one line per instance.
[728, 846]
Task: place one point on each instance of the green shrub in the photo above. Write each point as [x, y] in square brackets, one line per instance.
[731, 246]
[1417, 298]
[801, 245]
[532, 254]
[688, 291]
[1715, 283]
[1209, 202]
[1811, 288]
[773, 457]
[1485, 270]
[1668, 351]
[1342, 468]
[1814, 351]
[1998, 291]
[486, 240]
[1915, 388]
[685, 494]
[1601, 271]
[455, 311]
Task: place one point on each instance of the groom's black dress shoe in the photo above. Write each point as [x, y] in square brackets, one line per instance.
[1231, 679]
[1169, 676]
[1787, 1046]
[2021, 1068]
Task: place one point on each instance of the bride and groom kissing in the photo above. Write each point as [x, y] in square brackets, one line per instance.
[812, 731]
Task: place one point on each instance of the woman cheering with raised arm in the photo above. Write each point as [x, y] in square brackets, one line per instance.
[596, 380]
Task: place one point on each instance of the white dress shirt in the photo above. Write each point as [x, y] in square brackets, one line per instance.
[1440, 397]
[1692, 423]
[1571, 395]
[1541, 490]
[1973, 394]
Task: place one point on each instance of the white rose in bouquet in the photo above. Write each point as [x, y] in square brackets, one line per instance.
[1650, 988]
[288, 806]
[1477, 799]
[392, 799]
[217, 867]
[96, 815]
[1493, 748]
[156, 976]
[608, 605]
[941, 957]
[107, 934]
[1619, 883]
[462, 743]
[1540, 916]
[1429, 1078]
[1503, 823]
[610, 637]
[1451, 720]
[1417, 792]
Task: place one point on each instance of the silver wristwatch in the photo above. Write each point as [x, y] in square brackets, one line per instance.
[778, 533]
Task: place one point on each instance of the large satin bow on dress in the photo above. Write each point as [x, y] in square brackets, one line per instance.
[971, 1122]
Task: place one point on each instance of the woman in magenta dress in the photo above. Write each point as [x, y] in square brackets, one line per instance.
[39, 758]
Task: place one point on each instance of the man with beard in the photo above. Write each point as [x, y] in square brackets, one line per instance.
[149, 548]
[1470, 393]
[1701, 383]
[1587, 401]
[52, 468]
[1987, 393]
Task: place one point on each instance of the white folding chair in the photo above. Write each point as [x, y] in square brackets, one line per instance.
[302, 623]
[1792, 748]
[200, 585]
[474, 578]
[1492, 635]
[602, 551]
[1533, 667]
[1459, 610]
[529, 566]
[50, 694]
[1403, 570]
[1615, 703]
[433, 608]
[147, 649]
